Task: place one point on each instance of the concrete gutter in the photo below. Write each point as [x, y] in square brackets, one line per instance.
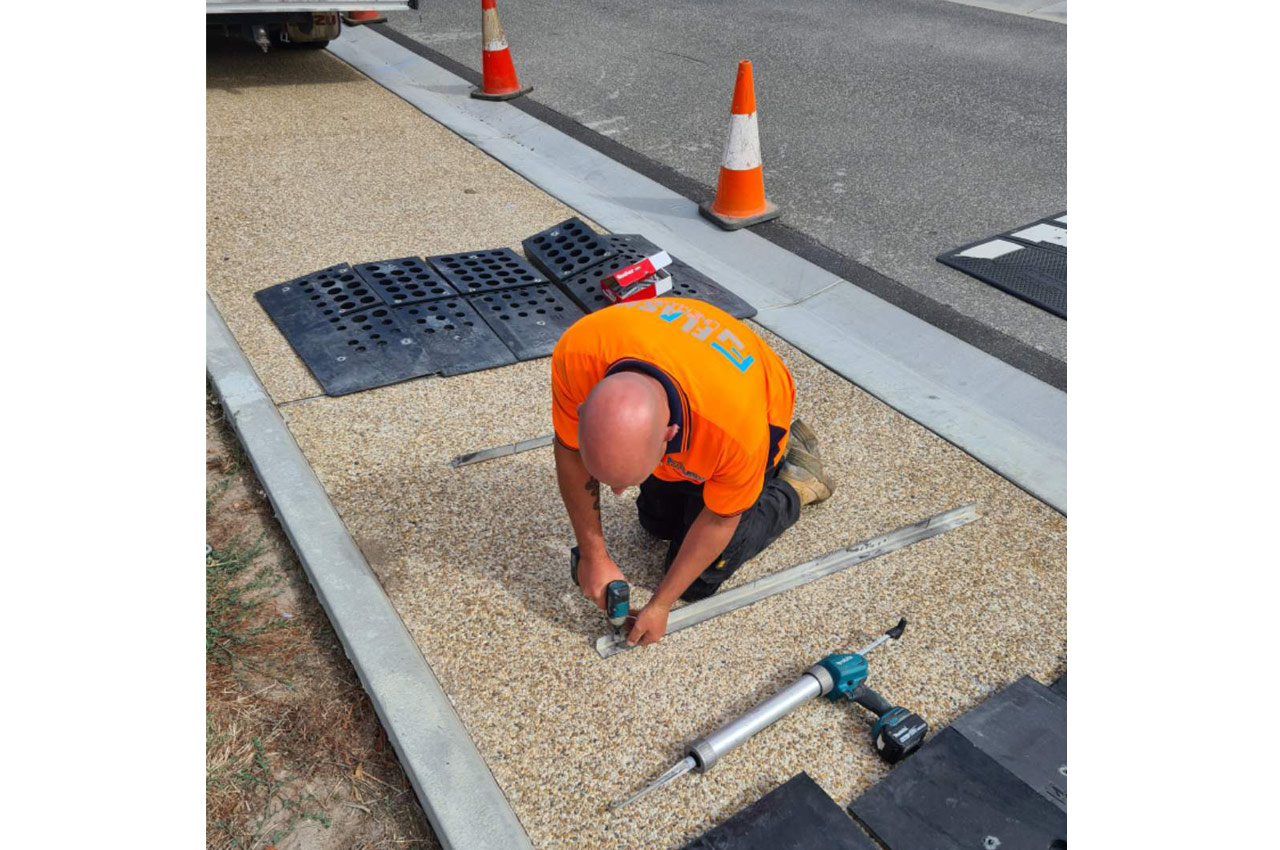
[1008, 420]
[462, 800]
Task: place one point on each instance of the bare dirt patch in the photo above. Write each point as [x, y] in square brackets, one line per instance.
[295, 755]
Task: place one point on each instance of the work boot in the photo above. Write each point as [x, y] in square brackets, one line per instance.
[802, 436]
[803, 469]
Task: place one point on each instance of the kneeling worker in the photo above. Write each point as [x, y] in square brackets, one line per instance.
[682, 399]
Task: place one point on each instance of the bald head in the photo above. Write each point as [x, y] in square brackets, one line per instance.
[622, 429]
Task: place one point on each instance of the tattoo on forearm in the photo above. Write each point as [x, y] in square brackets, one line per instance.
[593, 487]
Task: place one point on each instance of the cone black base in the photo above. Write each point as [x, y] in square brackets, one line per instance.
[480, 94]
[729, 222]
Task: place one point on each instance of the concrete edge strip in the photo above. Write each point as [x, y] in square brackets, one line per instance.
[459, 794]
[1006, 419]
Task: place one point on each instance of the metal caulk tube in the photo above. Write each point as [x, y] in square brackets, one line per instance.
[709, 749]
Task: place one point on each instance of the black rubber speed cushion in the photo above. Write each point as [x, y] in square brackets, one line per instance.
[1037, 275]
[951, 796]
[566, 249]
[481, 271]
[360, 350]
[687, 282]
[1024, 728]
[306, 300]
[456, 340]
[797, 815]
[529, 319]
[404, 281]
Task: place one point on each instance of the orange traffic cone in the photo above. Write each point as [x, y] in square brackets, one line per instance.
[500, 82]
[740, 200]
[355, 19]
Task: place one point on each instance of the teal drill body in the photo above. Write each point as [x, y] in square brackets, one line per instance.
[848, 670]
[896, 732]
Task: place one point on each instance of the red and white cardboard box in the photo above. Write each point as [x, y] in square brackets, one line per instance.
[643, 279]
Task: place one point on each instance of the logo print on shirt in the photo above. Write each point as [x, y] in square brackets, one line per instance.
[679, 467]
[699, 327]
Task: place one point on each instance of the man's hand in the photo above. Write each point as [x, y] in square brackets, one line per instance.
[650, 624]
[594, 576]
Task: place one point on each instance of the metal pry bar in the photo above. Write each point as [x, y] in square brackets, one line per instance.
[800, 574]
[501, 451]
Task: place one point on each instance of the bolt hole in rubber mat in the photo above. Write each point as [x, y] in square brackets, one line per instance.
[454, 336]
[1027, 262]
[404, 281]
[566, 249]
[481, 271]
[797, 815]
[529, 319]
[687, 282]
[950, 795]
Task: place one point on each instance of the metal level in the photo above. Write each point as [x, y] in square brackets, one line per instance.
[501, 451]
[800, 574]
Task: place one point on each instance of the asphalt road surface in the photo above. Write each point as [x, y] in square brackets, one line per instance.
[892, 130]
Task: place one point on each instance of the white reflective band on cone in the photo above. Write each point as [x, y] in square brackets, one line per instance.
[495, 37]
[742, 152]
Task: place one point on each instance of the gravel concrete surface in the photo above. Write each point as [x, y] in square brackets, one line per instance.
[310, 164]
[891, 130]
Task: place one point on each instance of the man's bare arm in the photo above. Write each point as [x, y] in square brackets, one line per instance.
[581, 495]
[705, 540]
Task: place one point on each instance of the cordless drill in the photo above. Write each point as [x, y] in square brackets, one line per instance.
[617, 594]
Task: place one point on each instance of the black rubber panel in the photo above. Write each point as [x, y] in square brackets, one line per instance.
[404, 281]
[686, 281]
[797, 815]
[1036, 273]
[566, 249]
[950, 795]
[307, 300]
[1060, 687]
[361, 350]
[529, 319]
[456, 340]
[482, 271]
[1024, 728]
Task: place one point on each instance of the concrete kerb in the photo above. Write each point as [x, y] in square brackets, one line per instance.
[1008, 420]
[467, 809]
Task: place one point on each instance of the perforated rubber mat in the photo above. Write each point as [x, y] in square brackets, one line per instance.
[360, 350]
[481, 271]
[686, 281]
[529, 319]
[404, 281]
[951, 796]
[306, 300]
[455, 338]
[566, 249]
[1027, 262]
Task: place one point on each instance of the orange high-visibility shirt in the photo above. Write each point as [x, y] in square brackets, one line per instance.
[727, 390]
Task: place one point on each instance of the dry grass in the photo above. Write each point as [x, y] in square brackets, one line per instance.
[295, 755]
